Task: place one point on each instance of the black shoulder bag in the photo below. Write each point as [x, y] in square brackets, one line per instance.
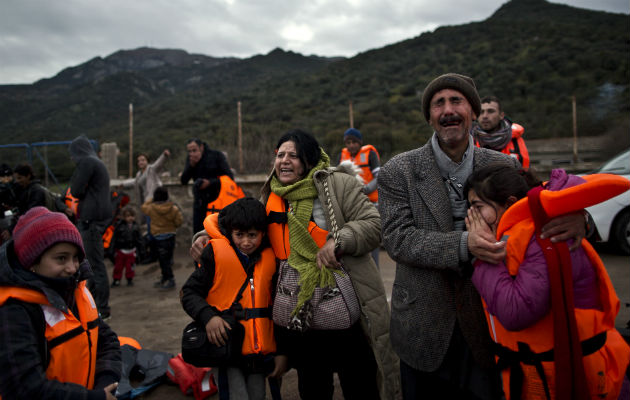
[200, 352]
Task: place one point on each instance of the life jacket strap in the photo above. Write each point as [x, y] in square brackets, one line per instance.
[71, 334]
[511, 359]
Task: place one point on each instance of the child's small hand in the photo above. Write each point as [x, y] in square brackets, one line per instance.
[110, 391]
[476, 223]
[216, 330]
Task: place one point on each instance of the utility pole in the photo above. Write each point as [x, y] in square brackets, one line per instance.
[131, 140]
[351, 114]
[575, 146]
[240, 138]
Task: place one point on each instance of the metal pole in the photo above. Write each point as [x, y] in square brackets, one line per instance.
[575, 146]
[131, 140]
[46, 165]
[351, 114]
[240, 138]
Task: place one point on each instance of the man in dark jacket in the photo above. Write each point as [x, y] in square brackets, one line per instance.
[29, 191]
[204, 166]
[90, 184]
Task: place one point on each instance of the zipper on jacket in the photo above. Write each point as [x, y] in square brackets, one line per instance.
[253, 294]
[89, 338]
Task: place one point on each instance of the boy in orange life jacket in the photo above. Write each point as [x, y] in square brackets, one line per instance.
[43, 299]
[238, 250]
[518, 291]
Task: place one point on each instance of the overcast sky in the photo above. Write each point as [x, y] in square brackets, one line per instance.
[39, 38]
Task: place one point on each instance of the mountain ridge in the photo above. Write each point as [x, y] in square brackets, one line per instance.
[532, 54]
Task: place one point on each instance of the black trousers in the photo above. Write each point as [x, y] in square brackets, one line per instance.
[317, 355]
[165, 246]
[92, 236]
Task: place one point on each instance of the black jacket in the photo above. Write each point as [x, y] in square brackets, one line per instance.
[31, 196]
[22, 372]
[90, 182]
[212, 165]
[126, 236]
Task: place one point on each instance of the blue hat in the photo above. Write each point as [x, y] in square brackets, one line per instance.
[353, 132]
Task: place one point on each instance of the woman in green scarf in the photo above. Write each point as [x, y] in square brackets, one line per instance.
[320, 220]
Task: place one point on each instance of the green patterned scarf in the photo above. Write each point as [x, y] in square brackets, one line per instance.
[300, 196]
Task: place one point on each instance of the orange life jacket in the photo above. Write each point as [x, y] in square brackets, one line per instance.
[256, 299]
[605, 353]
[362, 160]
[228, 194]
[72, 202]
[516, 147]
[278, 229]
[107, 236]
[72, 342]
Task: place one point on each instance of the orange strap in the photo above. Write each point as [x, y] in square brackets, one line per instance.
[570, 380]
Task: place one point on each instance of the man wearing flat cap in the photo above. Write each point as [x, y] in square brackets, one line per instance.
[438, 327]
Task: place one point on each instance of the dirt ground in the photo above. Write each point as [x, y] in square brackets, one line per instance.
[155, 318]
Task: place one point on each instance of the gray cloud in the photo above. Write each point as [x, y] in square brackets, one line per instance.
[38, 38]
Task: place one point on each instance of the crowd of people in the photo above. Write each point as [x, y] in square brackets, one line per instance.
[496, 293]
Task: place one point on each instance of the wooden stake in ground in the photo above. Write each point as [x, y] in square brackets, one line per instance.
[130, 140]
[351, 114]
[575, 146]
[240, 138]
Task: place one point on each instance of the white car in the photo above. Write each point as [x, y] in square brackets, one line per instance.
[612, 217]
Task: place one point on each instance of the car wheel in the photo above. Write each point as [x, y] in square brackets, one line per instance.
[621, 232]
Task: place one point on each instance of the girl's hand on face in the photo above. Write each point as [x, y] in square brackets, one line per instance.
[476, 223]
[216, 329]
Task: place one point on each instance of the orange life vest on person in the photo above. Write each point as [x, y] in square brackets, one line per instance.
[228, 194]
[71, 342]
[72, 202]
[516, 147]
[256, 299]
[362, 160]
[107, 236]
[605, 353]
[278, 229]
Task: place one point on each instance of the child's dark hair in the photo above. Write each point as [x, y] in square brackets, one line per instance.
[127, 210]
[497, 182]
[243, 214]
[160, 194]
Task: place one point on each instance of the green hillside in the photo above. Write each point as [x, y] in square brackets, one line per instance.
[532, 54]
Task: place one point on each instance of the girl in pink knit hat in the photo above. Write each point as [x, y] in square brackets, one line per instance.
[53, 343]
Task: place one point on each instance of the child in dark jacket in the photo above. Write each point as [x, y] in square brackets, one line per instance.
[238, 251]
[53, 344]
[165, 218]
[125, 242]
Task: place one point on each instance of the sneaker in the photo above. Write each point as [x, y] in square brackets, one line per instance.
[129, 282]
[169, 284]
[115, 283]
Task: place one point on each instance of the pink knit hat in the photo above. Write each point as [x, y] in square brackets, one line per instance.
[39, 229]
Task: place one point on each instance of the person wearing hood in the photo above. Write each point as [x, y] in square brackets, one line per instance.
[166, 217]
[90, 184]
[493, 130]
[204, 166]
[53, 344]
